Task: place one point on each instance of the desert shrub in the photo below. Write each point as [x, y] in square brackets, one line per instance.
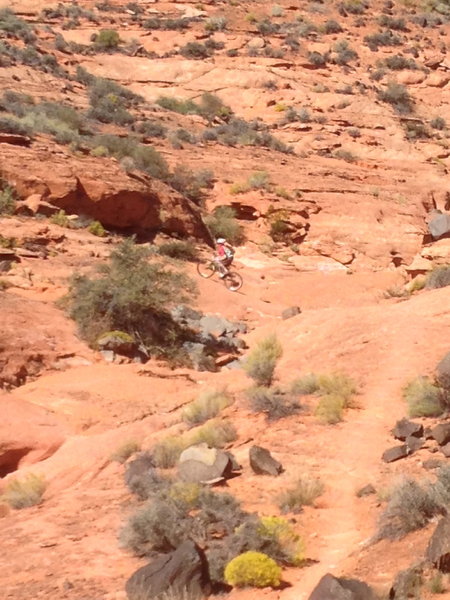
[277, 11]
[253, 133]
[191, 184]
[107, 40]
[223, 223]
[397, 24]
[330, 409]
[279, 229]
[353, 7]
[60, 218]
[275, 403]
[253, 569]
[12, 125]
[317, 59]
[398, 96]
[109, 101]
[96, 228]
[438, 123]
[194, 50]
[424, 398]
[354, 132]
[259, 180]
[291, 546]
[184, 107]
[411, 506]
[343, 154]
[216, 24]
[215, 433]
[438, 277]
[7, 242]
[339, 384]
[397, 62]
[7, 199]
[167, 451]
[344, 52]
[15, 26]
[179, 249]
[156, 23]
[436, 583]
[124, 451]
[382, 38]
[415, 130]
[206, 406]
[332, 27]
[261, 361]
[151, 129]
[377, 75]
[266, 27]
[22, 493]
[303, 493]
[212, 107]
[131, 295]
[308, 384]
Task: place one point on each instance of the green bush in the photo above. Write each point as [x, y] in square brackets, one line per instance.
[261, 361]
[14, 126]
[308, 384]
[215, 433]
[124, 451]
[438, 277]
[60, 218]
[424, 398]
[410, 507]
[253, 569]
[304, 493]
[436, 584]
[330, 409]
[332, 27]
[191, 184]
[167, 451]
[291, 545]
[15, 26]
[96, 228]
[279, 230]
[206, 406]
[345, 53]
[179, 249]
[223, 223]
[194, 50]
[275, 403]
[106, 40]
[130, 294]
[382, 38]
[22, 493]
[398, 96]
[216, 24]
[7, 199]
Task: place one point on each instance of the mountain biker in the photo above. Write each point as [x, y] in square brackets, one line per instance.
[224, 256]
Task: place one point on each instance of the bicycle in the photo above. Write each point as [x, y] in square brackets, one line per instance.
[232, 280]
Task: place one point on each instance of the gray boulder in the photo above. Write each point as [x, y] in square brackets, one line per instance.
[339, 588]
[438, 551]
[441, 433]
[439, 225]
[395, 453]
[405, 428]
[184, 571]
[407, 584]
[290, 312]
[414, 443]
[199, 356]
[443, 372]
[201, 464]
[263, 463]
[185, 314]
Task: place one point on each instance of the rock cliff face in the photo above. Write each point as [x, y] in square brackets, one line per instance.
[99, 189]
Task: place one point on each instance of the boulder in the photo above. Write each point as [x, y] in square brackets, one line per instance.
[184, 571]
[432, 463]
[395, 453]
[439, 225]
[118, 342]
[199, 356]
[443, 372]
[339, 588]
[290, 312]
[441, 433]
[407, 584]
[405, 428]
[34, 205]
[438, 551]
[201, 464]
[263, 463]
[139, 474]
[446, 450]
[414, 443]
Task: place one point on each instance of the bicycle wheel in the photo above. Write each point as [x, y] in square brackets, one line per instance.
[206, 270]
[233, 281]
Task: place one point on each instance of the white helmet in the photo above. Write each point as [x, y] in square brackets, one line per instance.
[220, 241]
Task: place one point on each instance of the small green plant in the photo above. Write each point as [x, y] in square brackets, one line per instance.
[253, 569]
[124, 451]
[273, 402]
[96, 228]
[424, 398]
[259, 180]
[7, 199]
[261, 361]
[60, 218]
[223, 223]
[215, 433]
[308, 384]
[305, 491]
[206, 406]
[345, 155]
[107, 39]
[167, 451]
[291, 544]
[22, 493]
[436, 583]
[330, 409]
[180, 249]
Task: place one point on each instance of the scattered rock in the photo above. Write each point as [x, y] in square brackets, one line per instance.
[201, 464]
[395, 453]
[432, 463]
[292, 311]
[367, 490]
[139, 468]
[438, 551]
[439, 225]
[117, 342]
[263, 463]
[405, 428]
[199, 356]
[414, 443]
[339, 588]
[407, 584]
[446, 450]
[443, 371]
[257, 43]
[441, 433]
[184, 571]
